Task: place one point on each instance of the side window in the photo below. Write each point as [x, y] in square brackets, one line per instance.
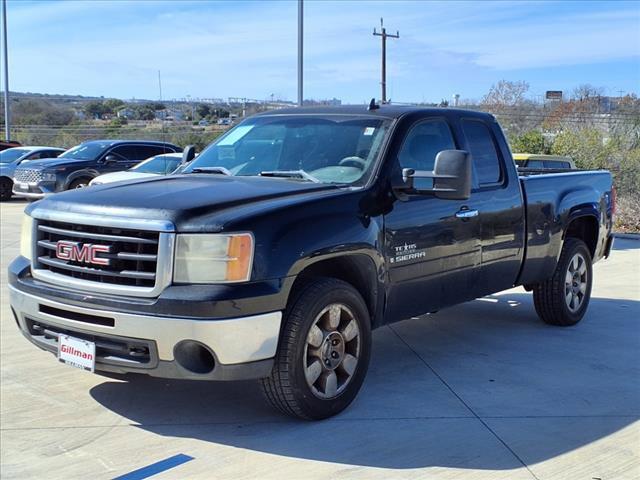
[556, 164]
[483, 151]
[148, 151]
[125, 152]
[36, 156]
[423, 143]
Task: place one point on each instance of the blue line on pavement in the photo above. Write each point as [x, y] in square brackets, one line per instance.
[154, 468]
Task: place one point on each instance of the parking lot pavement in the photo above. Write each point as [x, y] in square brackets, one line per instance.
[480, 391]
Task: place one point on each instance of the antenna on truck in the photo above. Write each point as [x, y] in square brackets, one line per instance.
[373, 105]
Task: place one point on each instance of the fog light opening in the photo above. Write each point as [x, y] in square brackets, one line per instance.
[194, 356]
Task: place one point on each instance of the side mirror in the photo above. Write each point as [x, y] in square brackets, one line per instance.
[451, 176]
[110, 159]
[188, 154]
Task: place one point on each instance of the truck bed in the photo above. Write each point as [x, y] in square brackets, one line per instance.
[552, 199]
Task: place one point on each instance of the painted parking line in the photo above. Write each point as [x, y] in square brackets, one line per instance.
[154, 468]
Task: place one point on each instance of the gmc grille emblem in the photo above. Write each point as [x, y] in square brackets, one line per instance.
[82, 252]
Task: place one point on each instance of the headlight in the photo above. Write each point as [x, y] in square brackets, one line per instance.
[213, 258]
[26, 237]
[48, 177]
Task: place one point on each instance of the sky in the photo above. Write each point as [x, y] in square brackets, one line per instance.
[208, 49]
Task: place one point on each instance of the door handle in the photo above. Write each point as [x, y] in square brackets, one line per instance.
[466, 213]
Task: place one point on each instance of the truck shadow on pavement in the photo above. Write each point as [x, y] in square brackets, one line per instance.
[449, 390]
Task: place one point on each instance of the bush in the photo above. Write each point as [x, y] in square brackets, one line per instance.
[529, 142]
[627, 217]
[586, 146]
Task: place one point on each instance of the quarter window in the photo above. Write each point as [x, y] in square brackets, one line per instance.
[483, 151]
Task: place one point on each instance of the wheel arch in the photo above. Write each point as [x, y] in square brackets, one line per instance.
[584, 227]
[88, 174]
[357, 269]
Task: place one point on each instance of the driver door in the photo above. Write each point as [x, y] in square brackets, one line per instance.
[432, 252]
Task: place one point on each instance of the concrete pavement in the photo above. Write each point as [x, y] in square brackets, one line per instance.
[484, 390]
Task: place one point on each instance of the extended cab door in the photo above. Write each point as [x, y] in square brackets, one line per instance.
[432, 247]
[498, 200]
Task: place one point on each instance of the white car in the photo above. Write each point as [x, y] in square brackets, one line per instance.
[164, 164]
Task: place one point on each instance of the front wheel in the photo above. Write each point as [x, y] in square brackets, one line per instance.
[324, 351]
[563, 299]
[79, 183]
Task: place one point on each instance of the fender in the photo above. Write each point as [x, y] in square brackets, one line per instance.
[583, 203]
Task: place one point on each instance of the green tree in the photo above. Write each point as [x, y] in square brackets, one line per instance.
[529, 142]
[112, 105]
[586, 146]
[203, 110]
[95, 109]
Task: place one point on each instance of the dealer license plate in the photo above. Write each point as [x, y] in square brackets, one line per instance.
[22, 186]
[77, 352]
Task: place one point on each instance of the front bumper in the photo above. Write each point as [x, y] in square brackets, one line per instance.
[32, 190]
[241, 347]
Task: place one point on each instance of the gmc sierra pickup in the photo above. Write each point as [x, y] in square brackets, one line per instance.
[291, 237]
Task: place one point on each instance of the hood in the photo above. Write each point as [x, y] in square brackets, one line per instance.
[43, 163]
[181, 199]
[121, 176]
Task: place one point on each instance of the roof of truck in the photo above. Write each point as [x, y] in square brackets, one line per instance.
[385, 111]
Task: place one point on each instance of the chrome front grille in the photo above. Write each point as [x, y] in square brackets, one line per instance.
[28, 175]
[129, 262]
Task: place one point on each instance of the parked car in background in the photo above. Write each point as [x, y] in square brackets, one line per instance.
[12, 157]
[76, 167]
[152, 167]
[9, 144]
[528, 160]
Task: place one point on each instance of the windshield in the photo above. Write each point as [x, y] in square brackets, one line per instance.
[161, 164]
[330, 148]
[86, 150]
[11, 154]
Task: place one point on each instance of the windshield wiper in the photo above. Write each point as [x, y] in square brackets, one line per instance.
[218, 170]
[301, 174]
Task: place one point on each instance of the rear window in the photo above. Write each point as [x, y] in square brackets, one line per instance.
[483, 151]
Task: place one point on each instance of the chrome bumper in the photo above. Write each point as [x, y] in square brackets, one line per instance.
[233, 342]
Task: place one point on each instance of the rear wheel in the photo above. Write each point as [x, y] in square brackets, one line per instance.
[324, 351]
[5, 189]
[563, 299]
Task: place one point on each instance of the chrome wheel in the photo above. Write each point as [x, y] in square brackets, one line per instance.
[332, 351]
[575, 283]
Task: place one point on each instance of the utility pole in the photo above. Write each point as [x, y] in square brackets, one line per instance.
[300, 45]
[7, 116]
[384, 36]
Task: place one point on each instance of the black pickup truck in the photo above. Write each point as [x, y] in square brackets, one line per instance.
[294, 235]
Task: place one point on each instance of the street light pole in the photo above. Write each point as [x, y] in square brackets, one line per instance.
[300, 45]
[7, 118]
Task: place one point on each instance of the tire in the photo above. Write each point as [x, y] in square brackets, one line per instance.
[5, 189]
[291, 388]
[563, 299]
[79, 183]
